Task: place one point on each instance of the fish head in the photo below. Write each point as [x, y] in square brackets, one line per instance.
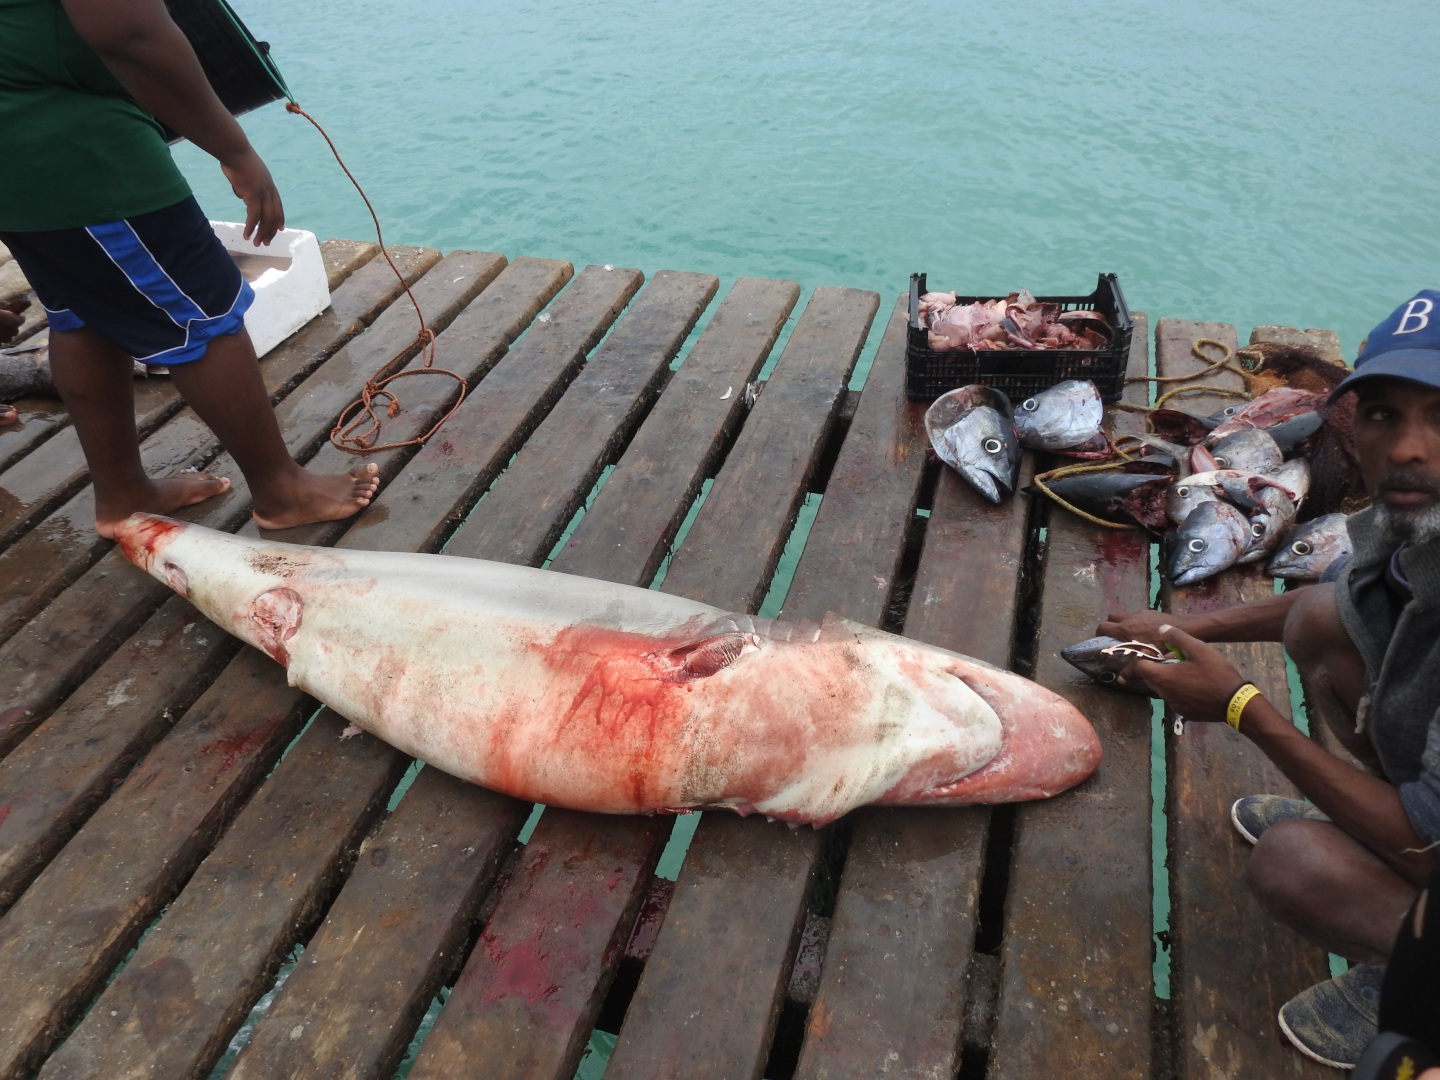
[973, 432]
[1307, 551]
[1047, 745]
[1065, 415]
[1185, 495]
[1252, 450]
[1294, 476]
[1094, 658]
[1212, 539]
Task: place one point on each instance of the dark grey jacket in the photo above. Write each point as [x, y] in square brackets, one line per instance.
[1402, 708]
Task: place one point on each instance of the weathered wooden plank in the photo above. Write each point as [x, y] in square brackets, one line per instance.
[52, 782]
[343, 257]
[524, 1005]
[858, 538]
[892, 990]
[782, 444]
[642, 504]
[40, 418]
[397, 928]
[712, 988]
[462, 459]
[1075, 992]
[172, 1008]
[76, 921]
[1225, 1014]
[63, 643]
[528, 507]
[1326, 342]
[38, 483]
[742, 893]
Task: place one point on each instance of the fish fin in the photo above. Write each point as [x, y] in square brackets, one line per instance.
[275, 616]
[701, 659]
[1238, 492]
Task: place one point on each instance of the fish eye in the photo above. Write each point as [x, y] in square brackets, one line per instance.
[1223, 462]
[1301, 547]
[1231, 410]
[1197, 545]
[1183, 492]
[993, 446]
[1256, 529]
[1030, 405]
[1108, 676]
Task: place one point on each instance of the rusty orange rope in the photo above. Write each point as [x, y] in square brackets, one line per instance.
[359, 413]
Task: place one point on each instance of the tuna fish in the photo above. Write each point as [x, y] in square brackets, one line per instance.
[1308, 550]
[1104, 658]
[603, 697]
[1251, 450]
[1211, 540]
[973, 431]
[1067, 415]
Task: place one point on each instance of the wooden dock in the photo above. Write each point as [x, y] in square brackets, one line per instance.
[176, 823]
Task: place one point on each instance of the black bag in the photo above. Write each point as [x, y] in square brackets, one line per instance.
[238, 66]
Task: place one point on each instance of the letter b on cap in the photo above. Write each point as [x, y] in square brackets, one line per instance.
[1416, 316]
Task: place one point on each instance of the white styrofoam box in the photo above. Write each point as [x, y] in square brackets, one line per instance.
[288, 277]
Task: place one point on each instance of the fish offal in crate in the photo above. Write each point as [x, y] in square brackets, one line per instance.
[1017, 371]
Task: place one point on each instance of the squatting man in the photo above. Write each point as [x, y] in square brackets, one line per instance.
[1344, 867]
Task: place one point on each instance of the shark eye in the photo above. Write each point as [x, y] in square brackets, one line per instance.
[1183, 492]
[1223, 462]
[1257, 530]
[1197, 545]
[1030, 405]
[1108, 676]
[1301, 547]
[993, 446]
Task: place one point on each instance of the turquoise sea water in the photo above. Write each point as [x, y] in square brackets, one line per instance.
[1246, 161]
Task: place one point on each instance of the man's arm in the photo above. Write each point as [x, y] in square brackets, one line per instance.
[153, 60]
[1259, 620]
[1364, 806]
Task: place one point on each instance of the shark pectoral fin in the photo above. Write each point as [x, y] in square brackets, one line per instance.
[703, 658]
[275, 616]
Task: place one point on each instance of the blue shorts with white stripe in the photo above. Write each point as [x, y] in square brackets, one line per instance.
[159, 286]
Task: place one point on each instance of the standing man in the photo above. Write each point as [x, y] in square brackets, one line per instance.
[1343, 868]
[107, 233]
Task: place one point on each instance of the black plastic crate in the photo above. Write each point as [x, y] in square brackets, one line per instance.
[1021, 373]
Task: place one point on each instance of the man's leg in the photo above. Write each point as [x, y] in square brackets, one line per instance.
[225, 388]
[1313, 877]
[95, 381]
[1330, 667]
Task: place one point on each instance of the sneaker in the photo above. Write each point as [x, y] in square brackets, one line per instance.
[1334, 1021]
[1254, 814]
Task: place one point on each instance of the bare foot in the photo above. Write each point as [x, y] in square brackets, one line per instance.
[312, 498]
[166, 495]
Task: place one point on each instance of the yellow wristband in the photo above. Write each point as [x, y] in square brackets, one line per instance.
[1238, 701]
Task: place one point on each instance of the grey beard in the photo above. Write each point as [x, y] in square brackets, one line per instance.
[1408, 528]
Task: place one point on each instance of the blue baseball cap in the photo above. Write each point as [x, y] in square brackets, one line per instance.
[1404, 346]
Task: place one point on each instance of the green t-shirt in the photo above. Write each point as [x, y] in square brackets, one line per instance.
[75, 148]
